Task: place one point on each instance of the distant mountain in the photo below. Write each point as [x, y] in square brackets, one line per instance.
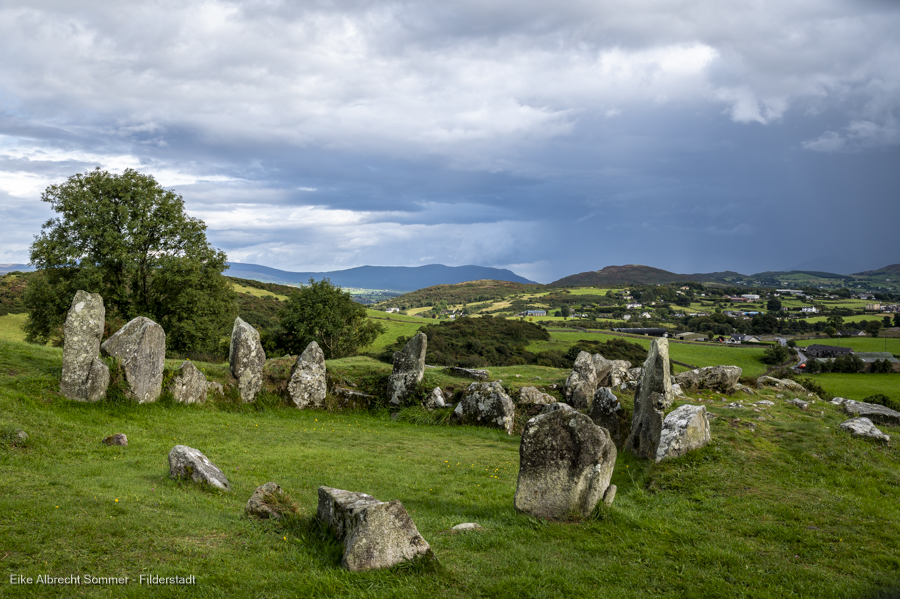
[7, 268]
[637, 274]
[397, 278]
[892, 271]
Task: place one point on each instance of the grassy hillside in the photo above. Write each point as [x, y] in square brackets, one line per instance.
[460, 293]
[790, 506]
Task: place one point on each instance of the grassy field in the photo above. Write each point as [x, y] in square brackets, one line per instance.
[257, 292]
[861, 385]
[790, 507]
[11, 327]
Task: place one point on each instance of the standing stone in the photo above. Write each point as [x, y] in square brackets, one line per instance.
[565, 465]
[606, 411]
[723, 379]
[189, 385]
[307, 385]
[376, 534]
[435, 400]
[85, 377]
[618, 373]
[534, 396]
[486, 404]
[602, 368]
[140, 347]
[685, 429]
[582, 382]
[409, 368]
[246, 357]
[186, 462]
[652, 397]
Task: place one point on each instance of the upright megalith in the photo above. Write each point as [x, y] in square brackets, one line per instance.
[652, 397]
[246, 357]
[565, 465]
[486, 404]
[409, 368]
[189, 385]
[140, 348]
[85, 376]
[582, 382]
[606, 411]
[307, 384]
[376, 534]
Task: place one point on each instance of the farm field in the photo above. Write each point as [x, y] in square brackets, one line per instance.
[11, 327]
[860, 385]
[257, 292]
[792, 507]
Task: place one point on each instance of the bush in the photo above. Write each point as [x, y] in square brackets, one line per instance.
[614, 349]
[777, 354]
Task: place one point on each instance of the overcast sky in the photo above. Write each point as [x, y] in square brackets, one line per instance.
[546, 137]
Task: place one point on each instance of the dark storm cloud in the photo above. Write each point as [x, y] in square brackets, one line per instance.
[549, 138]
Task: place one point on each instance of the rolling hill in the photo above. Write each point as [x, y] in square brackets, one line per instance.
[638, 274]
[398, 278]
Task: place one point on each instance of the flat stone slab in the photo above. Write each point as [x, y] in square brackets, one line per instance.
[472, 373]
[188, 463]
[376, 534]
[874, 412]
[863, 427]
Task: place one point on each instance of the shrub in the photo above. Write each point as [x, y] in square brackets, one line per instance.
[883, 400]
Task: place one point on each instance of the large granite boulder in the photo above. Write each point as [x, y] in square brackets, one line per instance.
[651, 399]
[85, 377]
[717, 378]
[618, 374]
[874, 412]
[606, 411]
[582, 382]
[602, 368]
[188, 463]
[764, 382]
[865, 428]
[685, 429]
[565, 465]
[189, 385]
[307, 385]
[247, 358]
[486, 404]
[140, 347]
[376, 534]
[409, 368]
[534, 396]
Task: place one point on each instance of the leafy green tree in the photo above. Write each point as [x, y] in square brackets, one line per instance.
[897, 319]
[775, 354]
[835, 321]
[564, 310]
[830, 331]
[873, 327]
[321, 312]
[131, 241]
[773, 305]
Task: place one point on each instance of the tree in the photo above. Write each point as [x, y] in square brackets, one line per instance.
[897, 319]
[564, 310]
[321, 312]
[773, 305]
[872, 328]
[131, 241]
[835, 321]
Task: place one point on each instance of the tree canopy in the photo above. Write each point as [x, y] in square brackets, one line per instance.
[321, 312]
[131, 241]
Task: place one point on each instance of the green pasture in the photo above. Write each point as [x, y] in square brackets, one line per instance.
[788, 507]
[11, 327]
[861, 385]
[257, 292]
[848, 319]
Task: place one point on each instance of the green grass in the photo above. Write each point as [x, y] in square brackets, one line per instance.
[257, 292]
[794, 508]
[860, 385]
[11, 327]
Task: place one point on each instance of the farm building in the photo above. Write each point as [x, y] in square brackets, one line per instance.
[827, 351]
